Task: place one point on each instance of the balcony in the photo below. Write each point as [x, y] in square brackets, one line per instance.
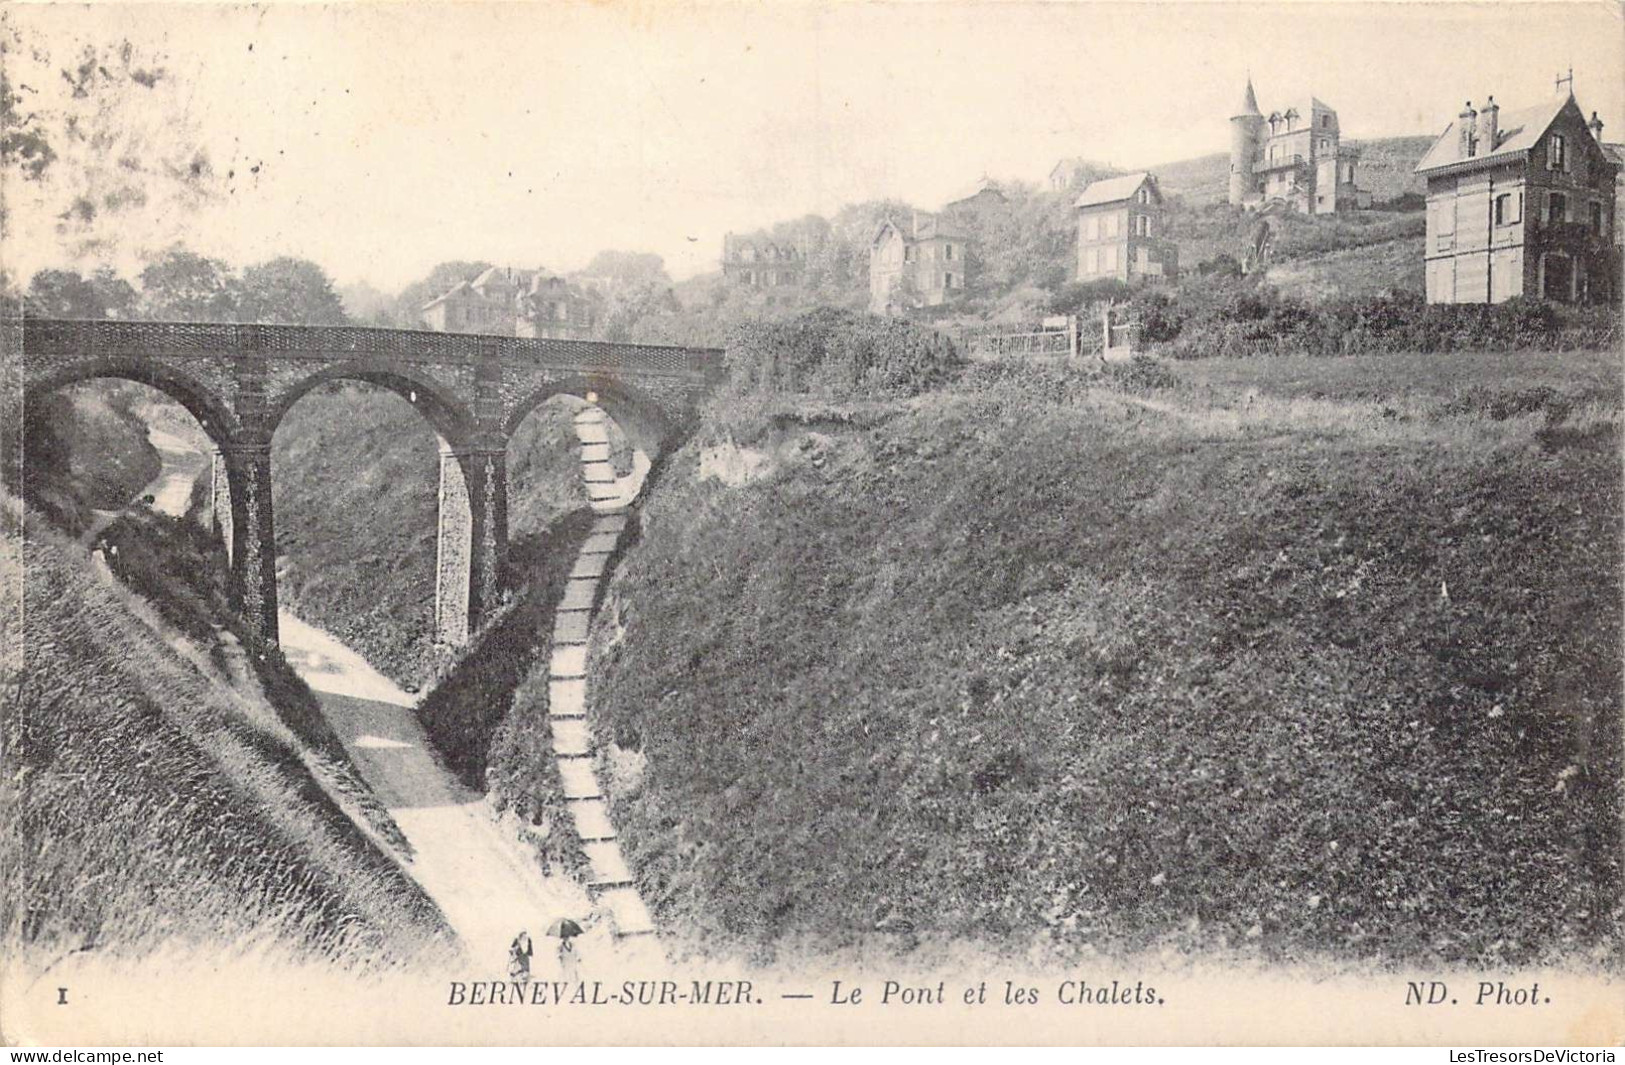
[1265, 166]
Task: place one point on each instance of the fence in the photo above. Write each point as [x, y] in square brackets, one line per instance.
[1114, 336]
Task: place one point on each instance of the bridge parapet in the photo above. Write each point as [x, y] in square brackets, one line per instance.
[68, 337]
[473, 389]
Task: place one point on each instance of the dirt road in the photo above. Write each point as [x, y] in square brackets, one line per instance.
[487, 888]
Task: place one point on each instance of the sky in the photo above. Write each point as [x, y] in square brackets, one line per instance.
[390, 137]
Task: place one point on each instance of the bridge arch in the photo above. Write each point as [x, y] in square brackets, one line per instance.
[238, 502]
[645, 423]
[450, 418]
[202, 402]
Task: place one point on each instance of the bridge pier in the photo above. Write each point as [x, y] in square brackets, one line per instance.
[220, 502]
[248, 522]
[472, 540]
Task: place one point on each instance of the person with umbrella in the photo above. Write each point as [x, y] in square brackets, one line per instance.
[569, 961]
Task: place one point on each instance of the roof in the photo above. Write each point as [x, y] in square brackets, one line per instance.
[459, 288]
[1249, 103]
[1111, 190]
[985, 185]
[924, 227]
[1615, 152]
[1518, 131]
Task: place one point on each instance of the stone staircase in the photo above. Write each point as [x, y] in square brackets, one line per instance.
[611, 881]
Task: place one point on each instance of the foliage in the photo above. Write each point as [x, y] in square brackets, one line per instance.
[1245, 319]
[85, 449]
[290, 291]
[1075, 672]
[629, 268]
[65, 294]
[181, 285]
[839, 353]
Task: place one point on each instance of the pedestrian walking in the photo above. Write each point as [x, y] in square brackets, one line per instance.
[569, 957]
[519, 952]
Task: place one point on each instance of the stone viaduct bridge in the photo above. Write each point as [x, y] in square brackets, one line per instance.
[239, 380]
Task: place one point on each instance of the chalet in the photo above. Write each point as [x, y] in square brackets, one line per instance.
[758, 261]
[509, 302]
[982, 199]
[924, 265]
[1069, 174]
[1120, 226]
[1520, 203]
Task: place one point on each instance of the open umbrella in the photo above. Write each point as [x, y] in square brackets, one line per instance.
[564, 928]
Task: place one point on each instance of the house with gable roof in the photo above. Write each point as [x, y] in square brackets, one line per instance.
[758, 261]
[507, 302]
[923, 265]
[1521, 203]
[1120, 231]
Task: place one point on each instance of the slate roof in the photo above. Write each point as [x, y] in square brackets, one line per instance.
[1249, 103]
[1111, 190]
[1520, 130]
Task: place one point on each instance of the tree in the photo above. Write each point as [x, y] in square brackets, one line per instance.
[629, 269]
[629, 306]
[181, 285]
[290, 291]
[63, 294]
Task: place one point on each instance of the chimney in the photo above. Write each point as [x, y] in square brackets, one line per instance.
[1466, 129]
[1596, 127]
[1491, 124]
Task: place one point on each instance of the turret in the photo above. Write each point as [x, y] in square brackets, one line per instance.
[1246, 128]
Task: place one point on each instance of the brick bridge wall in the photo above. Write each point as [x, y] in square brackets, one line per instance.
[239, 380]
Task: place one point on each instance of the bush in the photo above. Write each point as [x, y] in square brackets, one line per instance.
[840, 354]
[1234, 320]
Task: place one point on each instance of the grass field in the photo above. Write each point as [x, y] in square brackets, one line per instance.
[1291, 659]
[150, 804]
[1414, 379]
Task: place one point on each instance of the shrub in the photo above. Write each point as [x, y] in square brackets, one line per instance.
[1234, 320]
[840, 354]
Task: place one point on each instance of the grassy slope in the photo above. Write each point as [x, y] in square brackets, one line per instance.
[357, 486]
[144, 806]
[1387, 169]
[1034, 661]
[1370, 270]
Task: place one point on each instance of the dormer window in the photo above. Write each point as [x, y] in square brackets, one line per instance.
[1556, 154]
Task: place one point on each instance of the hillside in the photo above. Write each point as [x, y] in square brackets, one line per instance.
[1156, 661]
[157, 798]
[86, 449]
[357, 489]
[1387, 166]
